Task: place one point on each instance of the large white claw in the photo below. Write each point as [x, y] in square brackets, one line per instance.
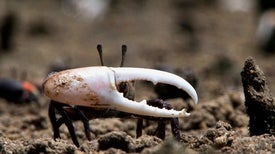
[154, 76]
[96, 87]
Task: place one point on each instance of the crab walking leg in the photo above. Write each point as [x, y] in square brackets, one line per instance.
[154, 76]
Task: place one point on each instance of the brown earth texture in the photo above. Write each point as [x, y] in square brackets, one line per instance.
[202, 36]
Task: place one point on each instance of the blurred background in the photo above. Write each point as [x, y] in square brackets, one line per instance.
[209, 39]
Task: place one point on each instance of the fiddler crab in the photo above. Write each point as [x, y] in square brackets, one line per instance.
[106, 92]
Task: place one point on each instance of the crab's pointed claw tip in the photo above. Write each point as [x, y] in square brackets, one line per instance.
[195, 98]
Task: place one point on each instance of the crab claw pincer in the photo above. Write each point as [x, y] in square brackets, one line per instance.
[96, 87]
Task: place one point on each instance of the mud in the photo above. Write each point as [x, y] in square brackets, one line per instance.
[200, 36]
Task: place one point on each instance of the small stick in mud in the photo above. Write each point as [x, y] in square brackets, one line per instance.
[259, 103]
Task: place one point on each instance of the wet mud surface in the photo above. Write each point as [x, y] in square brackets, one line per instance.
[215, 49]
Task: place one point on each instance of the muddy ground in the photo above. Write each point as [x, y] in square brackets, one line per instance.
[48, 33]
